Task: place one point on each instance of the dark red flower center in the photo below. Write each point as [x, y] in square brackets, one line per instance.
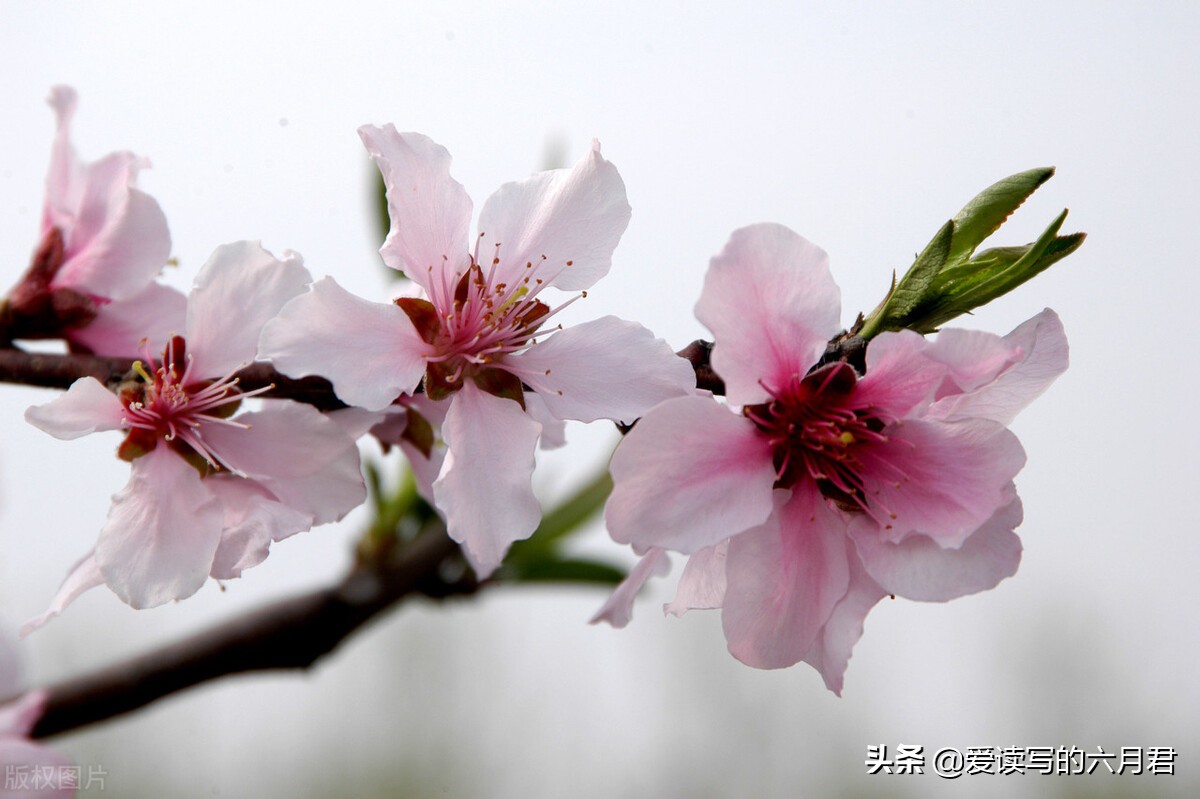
[819, 432]
[166, 403]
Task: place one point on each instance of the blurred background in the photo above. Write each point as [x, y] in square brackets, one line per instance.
[863, 127]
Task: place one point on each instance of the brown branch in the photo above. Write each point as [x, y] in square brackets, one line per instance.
[49, 370]
[289, 634]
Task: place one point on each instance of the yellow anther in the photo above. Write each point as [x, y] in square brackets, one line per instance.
[846, 438]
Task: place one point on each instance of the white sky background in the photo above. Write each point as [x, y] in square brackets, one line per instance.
[863, 128]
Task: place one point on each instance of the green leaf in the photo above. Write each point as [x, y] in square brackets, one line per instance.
[910, 293]
[949, 279]
[571, 570]
[995, 272]
[984, 214]
[539, 553]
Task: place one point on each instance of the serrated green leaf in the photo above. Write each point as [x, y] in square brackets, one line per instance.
[984, 214]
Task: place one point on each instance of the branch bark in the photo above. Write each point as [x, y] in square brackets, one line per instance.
[52, 370]
[289, 634]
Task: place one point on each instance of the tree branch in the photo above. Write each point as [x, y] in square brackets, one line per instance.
[289, 634]
[51, 370]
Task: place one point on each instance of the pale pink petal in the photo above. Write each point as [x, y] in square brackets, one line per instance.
[604, 369]
[899, 377]
[305, 460]
[1045, 356]
[238, 290]
[689, 475]
[485, 488]
[357, 422]
[155, 314]
[369, 351]
[252, 520]
[34, 771]
[121, 241]
[783, 580]
[83, 576]
[771, 304]
[425, 467]
[565, 222]
[162, 532]
[918, 568]
[618, 610]
[86, 407]
[115, 237]
[940, 479]
[64, 180]
[425, 470]
[554, 429]
[972, 358]
[18, 717]
[830, 652]
[702, 584]
[430, 211]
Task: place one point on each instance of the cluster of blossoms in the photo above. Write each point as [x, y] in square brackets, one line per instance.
[817, 487]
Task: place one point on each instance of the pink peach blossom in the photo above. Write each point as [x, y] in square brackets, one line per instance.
[827, 489]
[103, 244]
[477, 337]
[210, 490]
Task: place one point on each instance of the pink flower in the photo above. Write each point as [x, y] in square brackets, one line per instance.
[829, 489]
[478, 336]
[31, 771]
[103, 243]
[210, 491]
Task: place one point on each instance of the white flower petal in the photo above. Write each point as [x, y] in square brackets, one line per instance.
[1044, 356]
[115, 237]
[252, 521]
[604, 369]
[369, 351]
[618, 610]
[485, 487]
[83, 576]
[155, 314]
[430, 211]
[86, 407]
[830, 652]
[304, 459]
[919, 568]
[554, 429]
[702, 584]
[162, 532]
[238, 290]
[572, 215]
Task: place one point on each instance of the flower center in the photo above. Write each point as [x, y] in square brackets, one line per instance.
[472, 324]
[818, 432]
[166, 403]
